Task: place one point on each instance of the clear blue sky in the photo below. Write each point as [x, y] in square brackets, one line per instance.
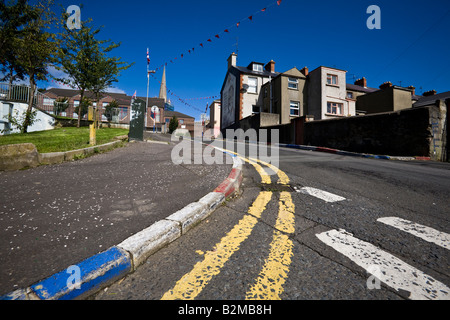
[412, 47]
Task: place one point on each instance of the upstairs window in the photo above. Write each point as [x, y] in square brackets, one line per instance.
[257, 67]
[252, 85]
[334, 108]
[294, 109]
[293, 83]
[332, 79]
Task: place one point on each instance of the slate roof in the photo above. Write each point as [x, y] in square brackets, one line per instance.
[426, 101]
[264, 73]
[176, 114]
[354, 87]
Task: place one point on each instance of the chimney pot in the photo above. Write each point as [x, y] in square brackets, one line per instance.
[429, 93]
[305, 71]
[386, 85]
[361, 82]
[413, 90]
[270, 66]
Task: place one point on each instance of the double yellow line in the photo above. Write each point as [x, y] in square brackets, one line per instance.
[269, 284]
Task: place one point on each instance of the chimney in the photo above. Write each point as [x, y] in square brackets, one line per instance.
[386, 85]
[270, 66]
[361, 82]
[429, 93]
[305, 71]
[413, 90]
[232, 60]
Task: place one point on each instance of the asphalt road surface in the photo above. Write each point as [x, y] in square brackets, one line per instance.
[325, 227]
[52, 217]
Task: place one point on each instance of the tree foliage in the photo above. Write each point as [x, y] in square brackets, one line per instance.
[111, 110]
[83, 58]
[173, 124]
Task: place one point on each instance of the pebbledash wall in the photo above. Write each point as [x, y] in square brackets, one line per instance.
[411, 132]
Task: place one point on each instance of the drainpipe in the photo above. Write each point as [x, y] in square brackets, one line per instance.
[271, 94]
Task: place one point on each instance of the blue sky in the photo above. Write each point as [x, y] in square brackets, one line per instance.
[411, 48]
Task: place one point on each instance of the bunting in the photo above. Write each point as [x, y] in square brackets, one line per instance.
[227, 30]
[183, 101]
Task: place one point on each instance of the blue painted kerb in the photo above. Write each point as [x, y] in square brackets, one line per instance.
[96, 271]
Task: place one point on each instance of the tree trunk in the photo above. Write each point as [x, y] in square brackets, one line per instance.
[27, 120]
[79, 108]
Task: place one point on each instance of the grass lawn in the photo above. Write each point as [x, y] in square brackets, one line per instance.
[62, 139]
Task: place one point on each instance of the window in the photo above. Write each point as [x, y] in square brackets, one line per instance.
[293, 83]
[48, 101]
[294, 109]
[334, 108]
[252, 85]
[332, 79]
[181, 121]
[257, 67]
[255, 109]
[350, 95]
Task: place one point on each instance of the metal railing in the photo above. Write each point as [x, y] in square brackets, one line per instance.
[20, 93]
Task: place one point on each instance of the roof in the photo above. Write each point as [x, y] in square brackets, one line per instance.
[425, 101]
[320, 67]
[264, 73]
[355, 87]
[63, 92]
[176, 114]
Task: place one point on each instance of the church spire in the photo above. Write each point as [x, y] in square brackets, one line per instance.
[163, 90]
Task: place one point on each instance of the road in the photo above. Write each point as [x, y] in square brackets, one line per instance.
[52, 217]
[325, 227]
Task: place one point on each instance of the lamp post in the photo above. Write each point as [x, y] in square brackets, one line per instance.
[148, 85]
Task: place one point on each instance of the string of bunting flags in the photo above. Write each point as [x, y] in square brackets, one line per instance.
[184, 100]
[218, 35]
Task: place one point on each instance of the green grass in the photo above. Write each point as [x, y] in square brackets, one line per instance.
[62, 139]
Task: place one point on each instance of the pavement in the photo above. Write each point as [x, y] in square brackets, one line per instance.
[104, 215]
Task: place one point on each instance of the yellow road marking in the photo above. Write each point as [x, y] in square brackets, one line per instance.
[191, 284]
[271, 279]
[269, 284]
[283, 178]
[265, 178]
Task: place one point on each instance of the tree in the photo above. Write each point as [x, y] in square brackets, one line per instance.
[83, 58]
[76, 55]
[111, 110]
[14, 16]
[82, 109]
[34, 49]
[60, 105]
[106, 71]
[173, 124]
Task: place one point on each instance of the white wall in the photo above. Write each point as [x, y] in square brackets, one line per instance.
[336, 94]
[43, 121]
[250, 99]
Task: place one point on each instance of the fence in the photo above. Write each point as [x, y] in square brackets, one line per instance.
[20, 93]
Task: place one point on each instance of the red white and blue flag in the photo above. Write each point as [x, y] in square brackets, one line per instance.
[148, 57]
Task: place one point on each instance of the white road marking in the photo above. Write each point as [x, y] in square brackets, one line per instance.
[323, 195]
[426, 233]
[394, 272]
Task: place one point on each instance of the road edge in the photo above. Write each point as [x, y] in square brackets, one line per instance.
[348, 153]
[95, 273]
